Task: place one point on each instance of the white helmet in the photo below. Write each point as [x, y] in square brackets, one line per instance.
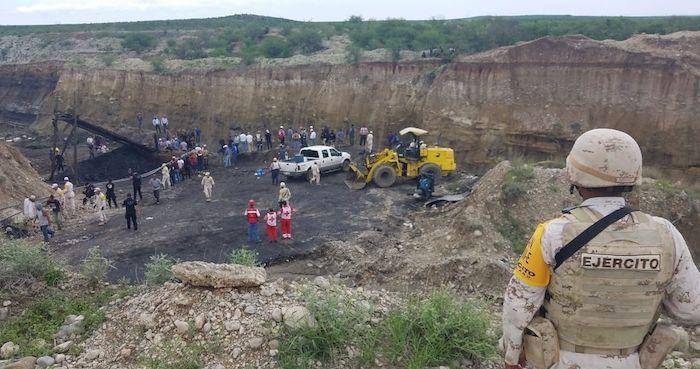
[65, 178]
[604, 158]
[282, 184]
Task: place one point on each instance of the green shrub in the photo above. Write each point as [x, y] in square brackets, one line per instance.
[245, 256]
[512, 230]
[306, 40]
[139, 42]
[436, 331]
[159, 66]
[108, 59]
[420, 334]
[191, 48]
[95, 266]
[353, 54]
[275, 47]
[23, 263]
[44, 317]
[158, 269]
[515, 184]
[340, 322]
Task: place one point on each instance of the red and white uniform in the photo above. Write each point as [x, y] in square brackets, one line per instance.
[286, 221]
[271, 226]
[252, 214]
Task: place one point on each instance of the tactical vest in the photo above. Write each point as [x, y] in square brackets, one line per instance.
[607, 295]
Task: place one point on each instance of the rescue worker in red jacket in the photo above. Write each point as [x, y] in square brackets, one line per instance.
[271, 220]
[286, 220]
[252, 214]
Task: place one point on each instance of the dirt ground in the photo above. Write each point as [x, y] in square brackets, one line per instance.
[185, 227]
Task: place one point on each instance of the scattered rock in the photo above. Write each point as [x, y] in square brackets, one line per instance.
[206, 328]
[6, 303]
[203, 274]
[276, 315]
[683, 342]
[24, 363]
[125, 353]
[59, 358]
[478, 233]
[297, 316]
[93, 354]
[236, 352]
[322, 282]
[274, 344]
[273, 352]
[199, 321]
[232, 326]
[4, 313]
[45, 361]
[8, 350]
[182, 327]
[64, 347]
[694, 347]
[250, 309]
[147, 320]
[255, 342]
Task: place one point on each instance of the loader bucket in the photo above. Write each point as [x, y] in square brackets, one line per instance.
[355, 180]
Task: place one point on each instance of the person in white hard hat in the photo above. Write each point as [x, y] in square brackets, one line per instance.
[69, 194]
[101, 206]
[207, 185]
[585, 296]
[284, 194]
[165, 171]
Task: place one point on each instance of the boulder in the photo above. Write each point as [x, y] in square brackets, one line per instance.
[45, 361]
[24, 363]
[8, 350]
[297, 317]
[684, 339]
[64, 347]
[203, 274]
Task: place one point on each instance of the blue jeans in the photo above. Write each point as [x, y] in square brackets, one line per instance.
[227, 160]
[47, 232]
[253, 232]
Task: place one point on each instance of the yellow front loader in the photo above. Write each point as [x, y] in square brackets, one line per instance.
[407, 161]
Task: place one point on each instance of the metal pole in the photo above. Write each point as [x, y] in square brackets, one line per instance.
[55, 145]
[75, 149]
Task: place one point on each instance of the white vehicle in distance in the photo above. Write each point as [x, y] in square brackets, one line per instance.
[328, 158]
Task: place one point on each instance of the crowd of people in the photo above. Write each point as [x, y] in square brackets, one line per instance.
[191, 158]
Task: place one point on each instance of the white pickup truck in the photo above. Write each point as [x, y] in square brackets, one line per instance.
[328, 159]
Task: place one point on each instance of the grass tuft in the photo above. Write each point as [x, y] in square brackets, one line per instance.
[23, 263]
[245, 256]
[158, 270]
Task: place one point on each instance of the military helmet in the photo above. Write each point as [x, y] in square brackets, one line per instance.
[604, 158]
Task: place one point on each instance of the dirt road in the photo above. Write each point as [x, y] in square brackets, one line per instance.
[185, 227]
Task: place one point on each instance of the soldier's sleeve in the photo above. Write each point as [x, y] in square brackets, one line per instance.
[524, 295]
[682, 299]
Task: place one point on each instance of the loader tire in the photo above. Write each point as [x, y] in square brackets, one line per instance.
[346, 165]
[432, 169]
[384, 176]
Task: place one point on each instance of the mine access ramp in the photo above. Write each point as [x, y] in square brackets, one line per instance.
[90, 127]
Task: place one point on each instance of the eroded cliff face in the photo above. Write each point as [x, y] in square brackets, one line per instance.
[533, 98]
[23, 90]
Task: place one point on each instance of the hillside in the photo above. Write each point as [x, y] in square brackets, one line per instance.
[247, 37]
[17, 177]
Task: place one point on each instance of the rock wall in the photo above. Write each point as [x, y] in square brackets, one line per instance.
[17, 178]
[23, 90]
[533, 98]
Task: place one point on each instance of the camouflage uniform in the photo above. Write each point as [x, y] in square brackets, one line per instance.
[525, 295]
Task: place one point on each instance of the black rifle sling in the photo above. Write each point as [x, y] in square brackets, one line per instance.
[587, 235]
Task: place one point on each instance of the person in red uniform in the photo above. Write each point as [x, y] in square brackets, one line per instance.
[286, 220]
[271, 219]
[252, 215]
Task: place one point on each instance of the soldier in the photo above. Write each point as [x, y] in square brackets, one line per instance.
[591, 282]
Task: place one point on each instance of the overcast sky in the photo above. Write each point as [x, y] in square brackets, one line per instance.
[91, 11]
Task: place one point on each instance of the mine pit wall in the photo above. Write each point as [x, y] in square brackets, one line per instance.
[486, 110]
[23, 90]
